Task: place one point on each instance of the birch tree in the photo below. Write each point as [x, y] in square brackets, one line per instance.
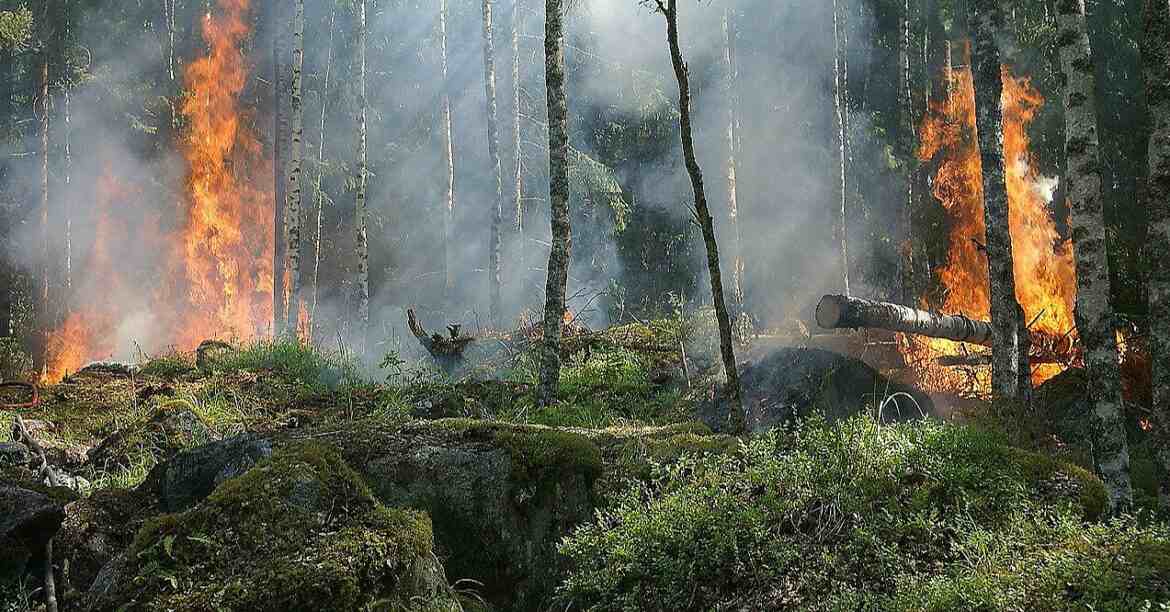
[1156, 60]
[448, 159]
[987, 26]
[489, 78]
[1094, 316]
[731, 75]
[296, 153]
[319, 194]
[840, 87]
[280, 133]
[669, 10]
[361, 247]
[562, 235]
[517, 146]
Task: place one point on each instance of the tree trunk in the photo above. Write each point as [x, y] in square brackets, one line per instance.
[1094, 316]
[280, 130]
[562, 235]
[987, 25]
[843, 312]
[318, 194]
[840, 89]
[361, 247]
[489, 78]
[45, 321]
[296, 153]
[906, 144]
[731, 76]
[1156, 51]
[517, 147]
[706, 223]
[449, 158]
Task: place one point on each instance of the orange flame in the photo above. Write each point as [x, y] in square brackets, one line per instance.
[1043, 262]
[218, 264]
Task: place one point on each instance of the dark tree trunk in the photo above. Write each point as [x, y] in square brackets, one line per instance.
[987, 25]
[706, 223]
[489, 73]
[562, 237]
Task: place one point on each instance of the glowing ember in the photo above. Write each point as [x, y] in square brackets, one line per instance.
[217, 267]
[1044, 267]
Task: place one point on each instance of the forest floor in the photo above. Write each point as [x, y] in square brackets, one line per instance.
[275, 476]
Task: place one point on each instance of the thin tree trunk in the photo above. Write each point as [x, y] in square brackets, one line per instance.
[296, 154]
[562, 238]
[318, 194]
[987, 25]
[280, 131]
[706, 223]
[449, 158]
[731, 76]
[43, 293]
[1094, 316]
[50, 582]
[489, 78]
[906, 143]
[517, 148]
[361, 247]
[1156, 51]
[840, 88]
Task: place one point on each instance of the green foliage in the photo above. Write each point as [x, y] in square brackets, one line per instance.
[846, 516]
[15, 28]
[169, 366]
[290, 360]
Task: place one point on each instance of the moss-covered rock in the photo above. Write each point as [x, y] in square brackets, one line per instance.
[500, 495]
[300, 531]
[29, 518]
[168, 429]
[190, 476]
[96, 529]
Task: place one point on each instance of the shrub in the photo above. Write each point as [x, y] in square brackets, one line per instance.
[291, 360]
[854, 516]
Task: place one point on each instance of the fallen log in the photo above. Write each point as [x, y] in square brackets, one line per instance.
[842, 312]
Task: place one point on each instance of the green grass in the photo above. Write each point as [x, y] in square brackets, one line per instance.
[290, 360]
[169, 366]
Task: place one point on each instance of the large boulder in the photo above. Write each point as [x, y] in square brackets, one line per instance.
[28, 520]
[191, 475]
[795, 383]
[500, 496]
[299, 531]
[96, 529]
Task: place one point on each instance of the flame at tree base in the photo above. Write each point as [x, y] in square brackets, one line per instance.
[1045, 271]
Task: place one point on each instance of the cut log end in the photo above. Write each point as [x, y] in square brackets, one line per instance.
[829, 311]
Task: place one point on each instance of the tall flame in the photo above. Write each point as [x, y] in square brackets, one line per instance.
[1045, 271]
[216, 267]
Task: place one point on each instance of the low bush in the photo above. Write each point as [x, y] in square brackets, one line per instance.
[855, 516]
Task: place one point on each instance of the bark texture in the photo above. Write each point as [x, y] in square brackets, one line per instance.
[706, 223]
[361, 247]
[733, 134]
[1094, 315]
[489, 78]
[562, 238]
[987, 25]
[280, 142]
[840, 312]
[840, 87]
[1156, 52]
[296, 155]
[318, 193]
[448, 159]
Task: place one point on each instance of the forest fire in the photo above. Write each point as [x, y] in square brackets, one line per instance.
[1044, 267]
[215, 273]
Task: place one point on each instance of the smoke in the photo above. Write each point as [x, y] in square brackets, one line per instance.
[627, 158]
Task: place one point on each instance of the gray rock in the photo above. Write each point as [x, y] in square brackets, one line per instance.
[28, 520]
[14, 454]
[190, 476]
[794, 383]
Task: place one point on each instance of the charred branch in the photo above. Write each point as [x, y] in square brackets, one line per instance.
[442, 348]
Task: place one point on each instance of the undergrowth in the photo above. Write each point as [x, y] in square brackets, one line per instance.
[859, 516]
